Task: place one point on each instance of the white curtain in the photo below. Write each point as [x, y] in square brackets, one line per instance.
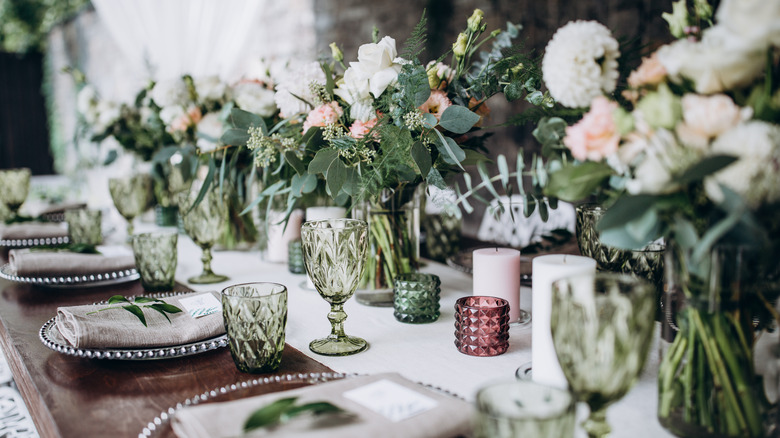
[163, 39]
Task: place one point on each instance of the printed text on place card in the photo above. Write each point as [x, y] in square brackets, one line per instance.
[201, 305]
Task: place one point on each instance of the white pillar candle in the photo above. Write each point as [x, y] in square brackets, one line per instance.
[320, 214]
[496, 273]
[547, 269]
[279, 237]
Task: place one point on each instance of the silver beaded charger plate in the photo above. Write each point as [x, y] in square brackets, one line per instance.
[70, 281]
[34, 241]
[50, 336]
[160, 426]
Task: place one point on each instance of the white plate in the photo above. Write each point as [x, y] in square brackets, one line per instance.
[72, 281]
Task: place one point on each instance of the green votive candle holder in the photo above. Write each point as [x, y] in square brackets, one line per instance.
[155, 259]
[416, 298]
[295, 262]
[85, 226]
[524, 409]
[255, 316]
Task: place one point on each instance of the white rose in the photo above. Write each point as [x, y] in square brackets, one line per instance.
[210, 88]
[170, 92]
[720, 61]
[362, 110]
[379, 63]
[706, 117]
[757, 21]
[255, 98]
[209, 131]
[86, 99]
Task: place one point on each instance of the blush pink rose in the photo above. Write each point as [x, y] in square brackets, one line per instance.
[360, 129]
[650, 72]
[192, 117]
[436, 104]
[595, 136]
[323, 115]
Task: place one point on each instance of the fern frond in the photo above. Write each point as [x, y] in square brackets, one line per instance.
[416, 42]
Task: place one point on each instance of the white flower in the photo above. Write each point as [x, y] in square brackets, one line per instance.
[86, 99]
[721, 61]
[296, 83]
[379, 64]
[170, 113]
[354, 89]
[580, 62]
[107, 113]
[661, 158]
[756, 174]
[210, 88]
[209, 131]
[254, 97]
[170, 92]
[757, 21]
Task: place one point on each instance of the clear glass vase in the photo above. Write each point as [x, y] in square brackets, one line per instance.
[714, 310]
[394, 243]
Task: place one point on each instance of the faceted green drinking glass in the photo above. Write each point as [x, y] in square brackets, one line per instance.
[334, 251]
[132, 196]
[204, 224]
[15, 184]
[85, 226]
[156, 258]
[602, 329]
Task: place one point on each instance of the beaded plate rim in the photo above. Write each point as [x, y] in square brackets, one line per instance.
[65, 281]
[132, 354]
[34, 241]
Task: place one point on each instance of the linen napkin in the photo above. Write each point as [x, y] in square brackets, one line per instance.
[118, 328]
[27, 262]
[438, 415]
[32, 230]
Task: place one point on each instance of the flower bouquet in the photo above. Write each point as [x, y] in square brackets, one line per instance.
[689, 151]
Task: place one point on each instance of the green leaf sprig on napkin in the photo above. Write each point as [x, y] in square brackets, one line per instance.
[156, 304]
[283, 410]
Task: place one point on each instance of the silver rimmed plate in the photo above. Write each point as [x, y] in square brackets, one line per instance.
[35, 241]
[160, 426]
[50, 336]
[66, 281]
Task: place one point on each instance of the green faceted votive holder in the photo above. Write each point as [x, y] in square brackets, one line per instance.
[416, 298]
[524, 409]
[295, 262]
[156, 258]
[85, 226]
[255, 316]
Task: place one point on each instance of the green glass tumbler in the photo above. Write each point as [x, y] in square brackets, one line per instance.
[255, 316]
[15, 184]
[416, 298]
[156, 258]
[334, 251]
[85, 226]
[524, 409]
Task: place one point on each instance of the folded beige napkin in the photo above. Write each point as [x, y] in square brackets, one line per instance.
[61, 207]
[448, 417]
[118, 328]
[32, 230]
[27, 262]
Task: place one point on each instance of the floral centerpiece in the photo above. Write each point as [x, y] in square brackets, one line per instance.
[373, 131]
[688, 151]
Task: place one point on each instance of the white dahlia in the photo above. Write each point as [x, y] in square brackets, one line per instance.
[580, 62]
[296, 82]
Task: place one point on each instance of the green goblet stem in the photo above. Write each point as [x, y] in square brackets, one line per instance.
[596, 424]
[336, 316]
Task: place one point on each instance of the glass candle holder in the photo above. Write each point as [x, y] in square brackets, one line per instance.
[156, 259]
[416, 298]
[482, 325]
[255, 316]
[295, 262]
[85, 226]
[524, 409]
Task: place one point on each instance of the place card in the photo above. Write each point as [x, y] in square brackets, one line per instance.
[391, 400]
[201, 305]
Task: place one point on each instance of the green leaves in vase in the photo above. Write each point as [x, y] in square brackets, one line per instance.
[283, 410]
[155, 304]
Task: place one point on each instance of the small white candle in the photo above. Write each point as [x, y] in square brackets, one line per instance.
[496, 273]
[321, 214]
[547, 269]
[279, 237]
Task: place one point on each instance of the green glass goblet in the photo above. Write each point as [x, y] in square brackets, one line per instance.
[204, 224]
[132, 196]
[15, 184]
[334, 252]
[602, 329]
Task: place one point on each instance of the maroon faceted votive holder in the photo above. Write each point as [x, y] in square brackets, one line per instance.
[482, 325]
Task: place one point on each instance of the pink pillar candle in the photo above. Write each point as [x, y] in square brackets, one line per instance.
[497, 273]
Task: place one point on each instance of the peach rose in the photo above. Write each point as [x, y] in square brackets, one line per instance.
[650, 72]
[436, 104]
[360, 129]
[325, 114]
[595, 136]
[706, 117]
[192, 117]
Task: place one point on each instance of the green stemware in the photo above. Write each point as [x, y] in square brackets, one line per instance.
[334, 252]
[204, 224]
[15, 184]
[132, 196]
[602, 329]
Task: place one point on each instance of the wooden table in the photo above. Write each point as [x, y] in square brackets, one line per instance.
[74, 397]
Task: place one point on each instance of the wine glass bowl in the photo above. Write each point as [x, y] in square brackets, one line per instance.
[334, 253]
[15, 184]
[601, 329]
[132, 196]
[204, 224]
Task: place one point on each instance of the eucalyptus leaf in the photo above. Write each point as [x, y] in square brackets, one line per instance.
[292, 159]
[575, 182]
[244, 120]
[336, 175]
[450, 151]
[503, 170]
[322, 160]
[483, 173]
[268, 415]
[421, 157]
[513, 91]
[626, 209]
[429, 120]
[707, 166]
[458, 119]
[135, 310]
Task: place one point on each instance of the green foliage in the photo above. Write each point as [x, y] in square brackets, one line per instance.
[577, 182]
[155, 304]
[283, 410]
[24, 24]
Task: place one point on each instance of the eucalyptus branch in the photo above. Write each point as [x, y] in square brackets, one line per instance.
[283, 410]
[155, 304]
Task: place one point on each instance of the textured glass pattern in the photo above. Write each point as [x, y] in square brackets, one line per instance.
[295, 257]
[156, 258]
[482, 325]
[204, 224]
[442, 235]
[334, 251]
[85, 226]
[132, 196]
[416, 298]
[524, 409]
[601, 328]
[255, 316]
[15, 184]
